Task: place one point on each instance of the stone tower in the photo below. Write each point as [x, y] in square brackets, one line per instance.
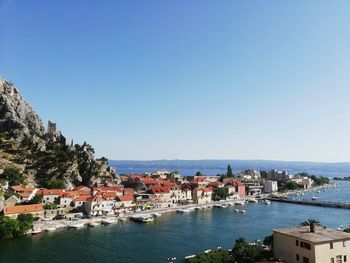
[51, 128]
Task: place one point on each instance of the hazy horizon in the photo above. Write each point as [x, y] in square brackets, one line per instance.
[266, 80]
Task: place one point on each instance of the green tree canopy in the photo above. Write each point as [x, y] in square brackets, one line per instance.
[25, 222]
[13, 176]
[9, 228]
[220, 194]
[312, 223]
[55, 183]
[229, 172]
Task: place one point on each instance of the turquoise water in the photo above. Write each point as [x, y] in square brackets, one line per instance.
[172, 235]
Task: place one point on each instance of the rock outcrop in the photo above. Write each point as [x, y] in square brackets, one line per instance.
[16, 116]
[46, 160]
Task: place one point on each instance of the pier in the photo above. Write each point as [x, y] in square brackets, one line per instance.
[313, 203]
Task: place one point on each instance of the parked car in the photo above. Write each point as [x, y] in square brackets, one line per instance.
[59, 217]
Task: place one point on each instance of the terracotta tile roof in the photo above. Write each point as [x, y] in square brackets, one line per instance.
[129, 191]
[206, 189]
[25, 194]
[168, 183]
[160, 189]
[51, 192]
[81, 198]
[109, 195]
[82, 188]
[125, 198]
[149, 180]
[19, 188]
[22, 209]
[95, 198]
[116, 188]
[234, 182]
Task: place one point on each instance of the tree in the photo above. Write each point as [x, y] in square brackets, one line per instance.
[25, 222]
[55, 184]
[9, 227]
[36, 199]
[268, 241]
[199, 173]
[220, 194]
[312, 223]
[229, 172]
[13, 176]
[244, 252]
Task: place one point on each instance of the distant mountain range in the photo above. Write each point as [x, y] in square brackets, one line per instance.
[212, 167]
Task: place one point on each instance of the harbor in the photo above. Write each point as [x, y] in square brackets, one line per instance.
[173, 234]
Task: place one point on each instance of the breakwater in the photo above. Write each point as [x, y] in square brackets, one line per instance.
[343, 205]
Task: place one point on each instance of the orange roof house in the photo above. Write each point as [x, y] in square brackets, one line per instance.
[126, 198]
[13, 211]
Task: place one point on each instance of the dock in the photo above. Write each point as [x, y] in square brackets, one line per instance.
[313, 203]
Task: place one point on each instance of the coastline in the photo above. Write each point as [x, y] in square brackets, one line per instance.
[51, 225]
[46, 225]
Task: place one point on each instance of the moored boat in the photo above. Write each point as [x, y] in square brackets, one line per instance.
[76, 225]
[109, 221]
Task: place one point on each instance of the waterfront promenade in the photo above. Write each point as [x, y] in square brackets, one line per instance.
[58, 224]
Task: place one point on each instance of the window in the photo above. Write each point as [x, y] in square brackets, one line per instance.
[345, 258]
[344, 243]
[332, 260]
[331, 245]
[338, 259]
[297, 257]
[297, 243]
[305, 245]
[305, 260]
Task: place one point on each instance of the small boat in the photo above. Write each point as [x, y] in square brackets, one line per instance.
[49, 229]
[218, 206]
[94, 223]
[267, 202]
[78, 225]
[109, 221]
[182, 210]
[242, 211]
[314, 198]
[147, 219]
[157, 214]
[36, 231]
[143, 219]
[237, 210]
[224, 206]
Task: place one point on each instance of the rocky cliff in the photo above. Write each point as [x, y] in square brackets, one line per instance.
[43, 159]
[17, 117]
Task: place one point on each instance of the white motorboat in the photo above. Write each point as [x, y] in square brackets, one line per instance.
[314, 198]
[182, 210]
[157, 214]
[36, 231]
[267, 202]
[236, 210]
[109, 221]
[49, 229]
[143, 219]
[94, 223]
[76, 225]
[242, 211]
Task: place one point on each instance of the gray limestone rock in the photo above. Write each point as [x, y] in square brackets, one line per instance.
[16, 116]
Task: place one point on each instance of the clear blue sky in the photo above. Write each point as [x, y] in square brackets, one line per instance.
[186, 79]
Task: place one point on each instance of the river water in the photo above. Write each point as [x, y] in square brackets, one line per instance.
[172, 235]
